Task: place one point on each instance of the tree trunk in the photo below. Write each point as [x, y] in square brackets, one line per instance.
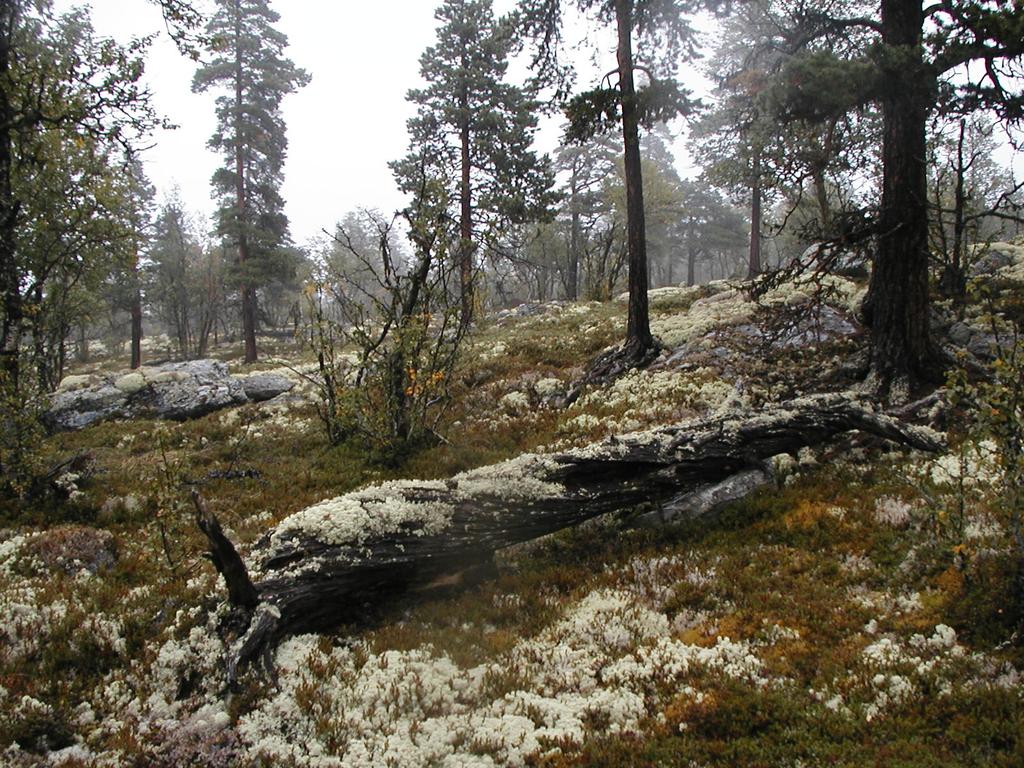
[203, 342]
[319, 569]
[242, 205]
[466, 231]
[691, 266]
[184, 350]
[465, 204]
[754, 257]
[249, 322]
[572, 280]
[10, 282]
[897, 305]
[638, 328]
[136, 314]
[821, 198]
[958, 262]
[82, 351]
[36, 334]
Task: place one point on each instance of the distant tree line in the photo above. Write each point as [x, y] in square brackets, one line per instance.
[799, 144]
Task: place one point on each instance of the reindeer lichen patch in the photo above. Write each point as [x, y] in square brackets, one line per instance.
[517, 480]
[705, 315]
[380, 510]
[417, 508]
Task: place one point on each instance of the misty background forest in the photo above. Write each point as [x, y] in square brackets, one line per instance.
[658, 402]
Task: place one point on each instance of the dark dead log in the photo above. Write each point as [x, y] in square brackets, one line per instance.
[705, 499]
[227, 561]
[328, 564]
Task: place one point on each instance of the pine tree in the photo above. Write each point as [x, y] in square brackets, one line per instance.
[737, 135]
[662, 35]
[711, 228]
[172, 256]
[587, 168]
[249, 67]
[745, 149]
[139, 194]
[909, 61]
[475, 130]
[972, 198]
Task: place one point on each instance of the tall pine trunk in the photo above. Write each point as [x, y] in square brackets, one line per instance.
[754, 258]
[465, 199]
[136, 313]
[897, 304]
[242, 205]
[10, 283]
[136, 316]
[955, 274]
[638, 327]
[465, 227]
[572, 279]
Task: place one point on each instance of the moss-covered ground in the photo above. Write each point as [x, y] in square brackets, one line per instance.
[863, 611]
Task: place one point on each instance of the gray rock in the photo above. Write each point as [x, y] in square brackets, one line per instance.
[80, 408]
[825, 324]
[994, 260]
[983, 345]
[531, 309]
[265, 386]
[960, 334]
[842, 262]
[189, 399]
[176, 391]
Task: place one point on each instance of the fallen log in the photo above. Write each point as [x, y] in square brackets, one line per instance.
[326, 564]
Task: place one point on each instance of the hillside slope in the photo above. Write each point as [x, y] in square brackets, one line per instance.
[862, 611]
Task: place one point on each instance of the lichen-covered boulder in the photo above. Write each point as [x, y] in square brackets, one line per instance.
[997, 257]
[176, 391]
[259, 387]
[78, 408]
[205, 387]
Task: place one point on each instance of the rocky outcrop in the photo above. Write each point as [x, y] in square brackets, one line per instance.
[997, 259]
[176, 391]
[264, 386]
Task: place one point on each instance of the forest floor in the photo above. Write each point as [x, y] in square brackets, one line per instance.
[861, 611]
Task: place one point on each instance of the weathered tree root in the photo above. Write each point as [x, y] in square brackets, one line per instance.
[612, 365]
[332, 563]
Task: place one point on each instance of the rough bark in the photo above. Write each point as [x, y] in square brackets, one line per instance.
[754, 258]
[897, 305]
[465, 205]
[308, 581]
[10, 284]
[242, 205]
[953, 280]
[136, 313]
[638, 327]
[572, 279]
[241, 592]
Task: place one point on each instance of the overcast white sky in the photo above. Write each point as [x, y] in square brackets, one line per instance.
[343, 128]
